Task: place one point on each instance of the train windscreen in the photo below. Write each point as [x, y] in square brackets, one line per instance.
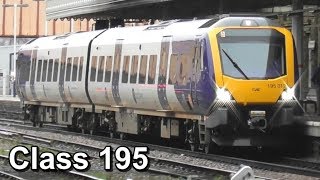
[252, 53]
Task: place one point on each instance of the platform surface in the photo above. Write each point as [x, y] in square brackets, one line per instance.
[9, 98]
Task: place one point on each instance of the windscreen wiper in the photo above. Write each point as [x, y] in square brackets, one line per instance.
[235, 64]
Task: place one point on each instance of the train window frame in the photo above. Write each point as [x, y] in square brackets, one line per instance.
[44, 70]
[142, 80]
[68, 69]
[125, 69]
[75, 66]
[93, 70]
[50, 70]
[100, 73]
[152, 68]
[80, 69]
[134, 65]
[38, 76]
[108, 66]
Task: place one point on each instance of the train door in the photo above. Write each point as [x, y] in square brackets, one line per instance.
[195, 70]
[163, 66]
[116, 72]
[62, 74]
[33, 73]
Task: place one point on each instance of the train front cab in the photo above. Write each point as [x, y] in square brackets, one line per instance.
[254, 69]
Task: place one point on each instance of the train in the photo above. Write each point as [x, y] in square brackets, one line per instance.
[227, 81]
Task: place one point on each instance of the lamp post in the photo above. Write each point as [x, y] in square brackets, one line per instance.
[15, 6]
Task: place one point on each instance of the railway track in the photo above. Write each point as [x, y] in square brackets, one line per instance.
[5, 175]
[286, 165]
[70, 174]
[158, 165]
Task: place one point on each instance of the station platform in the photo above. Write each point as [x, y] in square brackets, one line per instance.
[9, 98]
[10, 104]
[312, 124]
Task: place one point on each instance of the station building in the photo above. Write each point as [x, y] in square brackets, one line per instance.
[31, 23]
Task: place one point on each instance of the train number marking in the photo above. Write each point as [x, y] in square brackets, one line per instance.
[278, 86]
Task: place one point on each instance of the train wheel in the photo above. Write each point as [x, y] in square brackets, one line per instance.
[210, 148]
[193, 147]
[122, 136]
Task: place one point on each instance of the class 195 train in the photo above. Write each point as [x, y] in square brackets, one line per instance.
[228, 81]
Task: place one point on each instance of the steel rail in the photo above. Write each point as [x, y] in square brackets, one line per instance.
[73, 174]
[305, 170]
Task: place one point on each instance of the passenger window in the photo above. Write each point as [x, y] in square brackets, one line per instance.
[185, 68]
[173, 69]
[62, 70]
[143, 69]
[152, 69]
[75, 68]
[108, 67]
[50, 70]
[55, 71]
[134, 69]
[125, 69]
[44, 70]
[100, 68]
[93, 68]
[80, 69]
[163, 68]
[68, 70]
[116, 66]
[33, 69]
[39, 70]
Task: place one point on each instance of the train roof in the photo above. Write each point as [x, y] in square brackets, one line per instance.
[178, 29]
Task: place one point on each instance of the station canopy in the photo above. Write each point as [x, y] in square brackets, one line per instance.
[157, 9]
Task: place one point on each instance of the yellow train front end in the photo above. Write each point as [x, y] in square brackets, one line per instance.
[255, 70]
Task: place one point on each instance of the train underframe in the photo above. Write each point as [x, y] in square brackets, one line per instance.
[224, 127]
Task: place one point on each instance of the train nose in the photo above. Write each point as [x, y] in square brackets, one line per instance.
[254, 92]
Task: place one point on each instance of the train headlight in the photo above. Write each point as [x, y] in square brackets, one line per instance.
[223, 95]
[288, 94]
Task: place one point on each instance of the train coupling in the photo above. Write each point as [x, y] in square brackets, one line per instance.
[257, 120]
